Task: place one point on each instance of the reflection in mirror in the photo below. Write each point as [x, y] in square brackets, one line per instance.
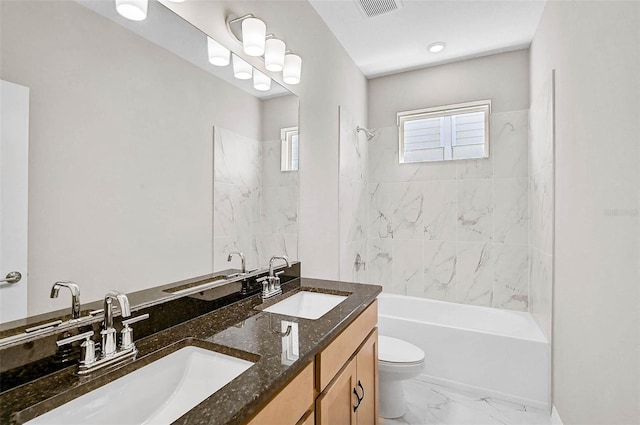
[289, 152]
[255, 202]
[120, 146]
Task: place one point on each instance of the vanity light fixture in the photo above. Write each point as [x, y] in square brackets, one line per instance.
[218, 54]
[135, 10]
[254, 32]
[292, 68]
[436, 47]
[261, 82]
[274, 54]
[255, 42]
[241, 69]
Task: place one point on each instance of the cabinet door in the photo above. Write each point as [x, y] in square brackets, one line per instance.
[367, 380]
[335, 404]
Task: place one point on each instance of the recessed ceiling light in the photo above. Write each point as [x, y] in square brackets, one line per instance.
[437, 47]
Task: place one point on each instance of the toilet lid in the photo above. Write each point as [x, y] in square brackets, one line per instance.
[393, 350]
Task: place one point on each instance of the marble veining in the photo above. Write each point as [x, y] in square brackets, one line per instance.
[483, 201]
[474, 273]
[430, 404]
[353, 197]
[475, 210]
[255, 205]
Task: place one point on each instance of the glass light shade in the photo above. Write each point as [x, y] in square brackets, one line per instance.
[241, 69]
[218, 54]
[254, 32]
[274, 54]
[135, 10]
[292, 69]
[260, 81]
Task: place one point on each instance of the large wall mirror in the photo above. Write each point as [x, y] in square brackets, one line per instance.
[147, 164]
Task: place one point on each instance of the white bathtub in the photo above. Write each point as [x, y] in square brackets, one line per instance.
[497, 353]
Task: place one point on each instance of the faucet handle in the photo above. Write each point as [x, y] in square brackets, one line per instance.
[88, 347]
[74, 338]
[127, 332]
[132, 320]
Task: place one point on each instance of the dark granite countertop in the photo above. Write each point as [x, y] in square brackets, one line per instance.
[239, 329]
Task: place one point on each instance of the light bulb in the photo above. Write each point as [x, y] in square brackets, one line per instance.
[254, 32]
[274, 54]
[135, 10]
[218, 54]
[241, 69]
[292, 68]
[260, 81]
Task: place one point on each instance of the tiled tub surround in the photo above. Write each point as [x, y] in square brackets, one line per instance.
[353, 198]
[490, 352]
[255, 205]
[238, 326]
[541, 207]
[454, 231]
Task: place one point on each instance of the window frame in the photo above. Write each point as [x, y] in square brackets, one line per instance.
[286, 136]
[438, 112]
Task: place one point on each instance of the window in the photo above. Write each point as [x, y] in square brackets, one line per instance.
[445, 133]
[289, 151]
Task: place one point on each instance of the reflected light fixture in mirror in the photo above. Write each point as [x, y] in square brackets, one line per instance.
[260, 81]
[274, 55]
[241, 69]
[218, 54]
[292, 68]
[135, 10]
[254, 32]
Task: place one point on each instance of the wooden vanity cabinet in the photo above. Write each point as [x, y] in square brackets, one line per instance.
[352, 397]
[353, 355]
[343, 375]
[292, 404]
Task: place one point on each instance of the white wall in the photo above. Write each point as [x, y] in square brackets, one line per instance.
[329, 78]
[503, 77]
[120, 176]
[595, 49]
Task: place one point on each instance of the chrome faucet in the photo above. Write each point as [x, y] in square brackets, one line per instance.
[271, 284]
[108, 332]
[277, 257]
[109, 353]
[75, 296]
[241, 255]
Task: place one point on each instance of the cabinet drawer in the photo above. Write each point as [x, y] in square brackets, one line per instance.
[330, 360]
[290, 404]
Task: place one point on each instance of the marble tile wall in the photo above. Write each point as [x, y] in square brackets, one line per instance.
[237, 183]
[455, 231]
[541, 208]
[278, 207]
[255, 205]
[353, 193]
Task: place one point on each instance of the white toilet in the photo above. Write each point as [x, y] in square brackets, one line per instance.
[397, 360]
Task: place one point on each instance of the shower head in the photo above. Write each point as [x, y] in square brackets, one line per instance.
[369, 133]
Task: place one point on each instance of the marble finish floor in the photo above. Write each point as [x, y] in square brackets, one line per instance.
[433, 404]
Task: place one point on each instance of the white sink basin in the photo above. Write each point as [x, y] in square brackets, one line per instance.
[158, 393]
[305, 304]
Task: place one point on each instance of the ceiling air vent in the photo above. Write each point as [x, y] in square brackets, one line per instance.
[371, 8]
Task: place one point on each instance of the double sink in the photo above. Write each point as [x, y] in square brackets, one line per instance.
[167, 388]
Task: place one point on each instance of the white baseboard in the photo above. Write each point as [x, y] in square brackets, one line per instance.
[555, 417]
[486, 392]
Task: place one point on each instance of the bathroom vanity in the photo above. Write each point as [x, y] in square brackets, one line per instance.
[303, 371]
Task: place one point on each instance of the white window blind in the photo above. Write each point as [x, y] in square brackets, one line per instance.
[445, 133]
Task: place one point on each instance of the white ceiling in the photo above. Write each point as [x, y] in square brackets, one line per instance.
[397, 41]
